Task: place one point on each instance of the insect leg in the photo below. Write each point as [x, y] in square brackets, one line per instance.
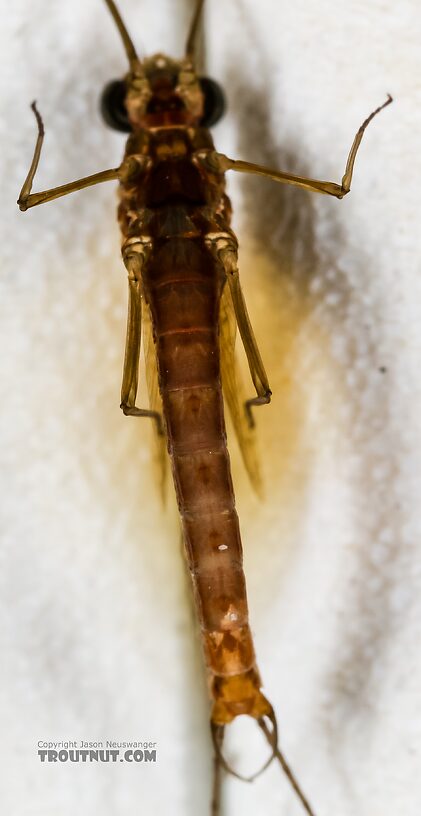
[135, 252]
[223, 163]
[224, 247]
[257, 369]
[27, 200]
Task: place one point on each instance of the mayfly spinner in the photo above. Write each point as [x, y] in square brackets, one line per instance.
[184, 289]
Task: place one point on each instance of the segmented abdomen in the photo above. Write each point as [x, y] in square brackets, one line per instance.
[183, 291]
[171, 209]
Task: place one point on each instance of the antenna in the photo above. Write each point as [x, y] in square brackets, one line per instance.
[127, 42]
[194, 25]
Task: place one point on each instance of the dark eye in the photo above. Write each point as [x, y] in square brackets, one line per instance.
[214, 102]
[112, 105]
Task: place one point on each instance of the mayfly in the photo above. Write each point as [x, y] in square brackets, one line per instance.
[185, 296]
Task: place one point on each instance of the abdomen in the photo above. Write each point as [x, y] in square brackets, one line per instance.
[183, 290]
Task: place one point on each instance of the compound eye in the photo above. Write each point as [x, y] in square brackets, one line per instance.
[214, 107]
[112, 106]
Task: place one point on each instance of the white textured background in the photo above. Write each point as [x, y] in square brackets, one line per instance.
[98, 638]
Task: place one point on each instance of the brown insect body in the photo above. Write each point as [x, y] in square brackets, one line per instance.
[175, 207]
[181, 256]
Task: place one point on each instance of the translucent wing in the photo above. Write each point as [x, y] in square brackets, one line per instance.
[155, 402]
[234, 392]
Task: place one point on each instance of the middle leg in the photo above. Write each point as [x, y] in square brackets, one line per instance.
[224, 248]
[134, 253]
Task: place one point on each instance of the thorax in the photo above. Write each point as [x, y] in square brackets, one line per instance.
[172, 194]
